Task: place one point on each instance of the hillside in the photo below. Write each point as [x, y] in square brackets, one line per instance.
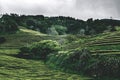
[61, 25]
[13, 68]
[97, 55]
[68, 59]
[108, 44]
[105, 43]
[24, 37]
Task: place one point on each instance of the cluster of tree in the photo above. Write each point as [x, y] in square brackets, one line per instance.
[39, 50]
[8, 24]
[64, 25]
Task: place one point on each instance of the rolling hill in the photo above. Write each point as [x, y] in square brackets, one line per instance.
[13, 68]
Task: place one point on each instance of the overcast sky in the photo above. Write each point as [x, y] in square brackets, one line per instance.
[82, 9]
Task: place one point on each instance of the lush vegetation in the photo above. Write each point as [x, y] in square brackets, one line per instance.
[39, 50]
[14, 68]
[2, 40]
[58, 25]
[8, 24]
[85, 63]
[88, 48]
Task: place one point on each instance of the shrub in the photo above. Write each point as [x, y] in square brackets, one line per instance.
[43, 48]
[75, 60]
[2, 40]
[71, 38]
[104, 66]
[81, 61]
[40, 50]
[25, 49]
[60, 29]
[52, 31]
[24, 52]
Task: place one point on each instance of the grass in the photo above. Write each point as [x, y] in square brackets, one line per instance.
[24, 37]
[111, 47]
[13, 68]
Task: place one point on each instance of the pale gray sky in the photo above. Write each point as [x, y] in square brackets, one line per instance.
[81, 9]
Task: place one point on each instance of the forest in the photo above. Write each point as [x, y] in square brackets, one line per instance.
[61, 25]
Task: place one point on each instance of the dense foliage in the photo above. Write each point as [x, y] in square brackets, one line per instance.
[62, 24]
[8, 24]
[104, 66]
[39, 50]
[2, 40]
[81, 61]
[73, 26]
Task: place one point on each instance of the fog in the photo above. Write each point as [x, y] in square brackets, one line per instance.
[82, 9]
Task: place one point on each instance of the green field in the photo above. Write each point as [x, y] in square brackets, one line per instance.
[13, 68]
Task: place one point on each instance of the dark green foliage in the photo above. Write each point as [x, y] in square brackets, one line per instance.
[75, 60]
[104, 66]
[40, 50]
[71, 25]
[43, 48]
[8, 24]
[81, 61]
[30, 23]
[2, 40]
[24, 52]
[71, 38]
[60, 29]
[25, 49]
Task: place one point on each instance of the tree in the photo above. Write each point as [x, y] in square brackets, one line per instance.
[60, 29]
[52, 31]
[40, 50]
[82, 32]
[8, 24]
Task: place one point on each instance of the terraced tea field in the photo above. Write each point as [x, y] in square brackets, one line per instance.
[13, 68]
[110, 45]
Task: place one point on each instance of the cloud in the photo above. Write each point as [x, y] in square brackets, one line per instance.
[117, 3]
[34, 7]
[97, 8]
[76, 8]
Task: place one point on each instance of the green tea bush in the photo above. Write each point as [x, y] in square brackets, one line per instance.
[71, 38]
[75, 60]
[2, 40]
[24, 52]
[40, 50]
[105, 66]
[43, 48]
[81, 61]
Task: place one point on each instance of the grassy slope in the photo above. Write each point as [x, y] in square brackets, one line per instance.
[106, 43]
[12, 68]
[24, 37]
[109, 44]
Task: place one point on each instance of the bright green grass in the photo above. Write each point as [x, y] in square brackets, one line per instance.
[12, 68]
[105, 47]
[24, 37]
[32, 32]
[88, 41]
